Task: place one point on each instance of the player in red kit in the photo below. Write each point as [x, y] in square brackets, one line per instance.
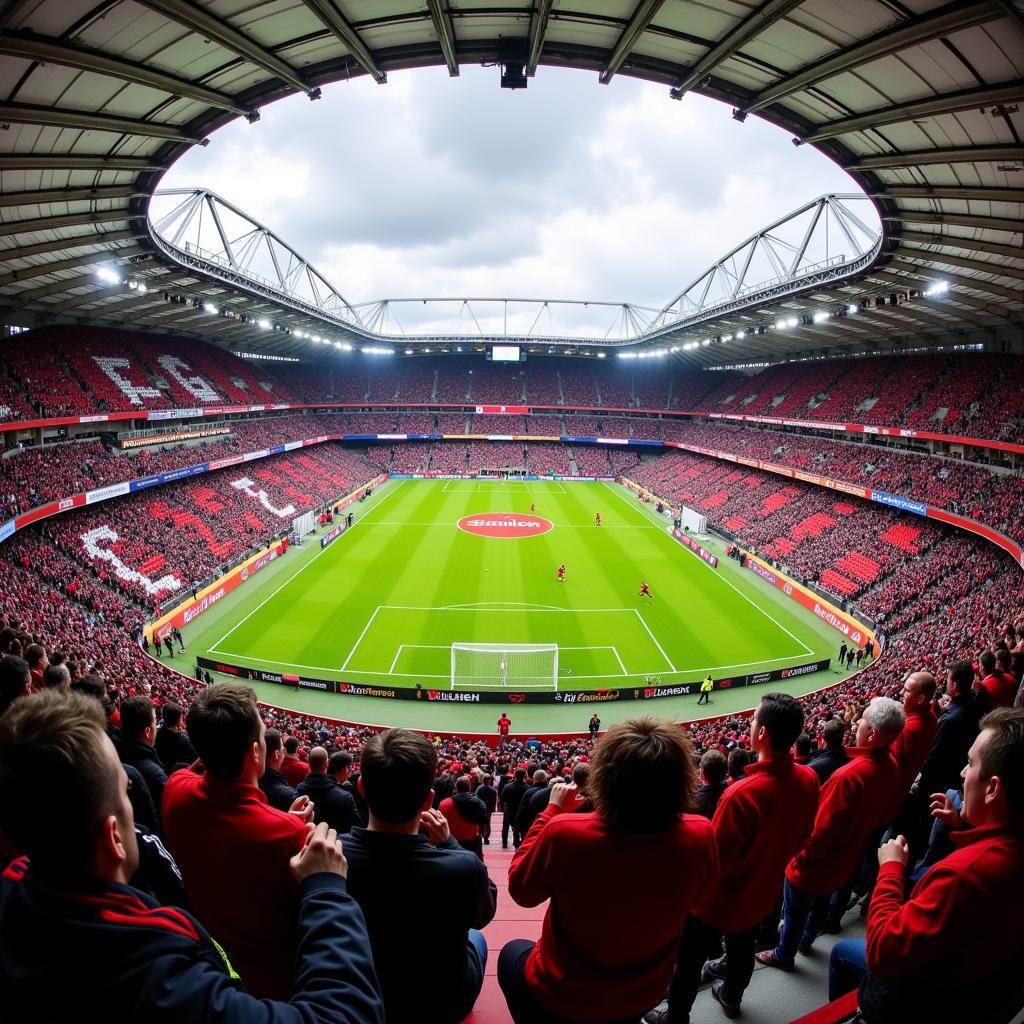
[560, 574]
[645, 591]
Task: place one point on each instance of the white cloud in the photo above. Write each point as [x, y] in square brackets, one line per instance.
[430, 186]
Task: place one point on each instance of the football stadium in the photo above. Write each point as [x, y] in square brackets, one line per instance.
[479, 547]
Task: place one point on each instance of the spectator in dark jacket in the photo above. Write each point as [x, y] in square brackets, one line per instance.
[958, 727]
[410, 884]
[330, 802]
[738, 761]
[272, 782]
[833, 755]
[172, 743]
[138, 733]
[489, 795]
[713, 771]
[77, 939]
[511, 798]
[527, 813]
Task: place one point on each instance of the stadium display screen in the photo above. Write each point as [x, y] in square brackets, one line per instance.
[505, 353]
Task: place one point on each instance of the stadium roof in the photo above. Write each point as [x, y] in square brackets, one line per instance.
[919, 101]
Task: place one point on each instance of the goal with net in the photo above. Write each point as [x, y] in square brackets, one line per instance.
[495, 666]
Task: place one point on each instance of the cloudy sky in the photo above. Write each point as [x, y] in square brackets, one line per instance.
[431, 186]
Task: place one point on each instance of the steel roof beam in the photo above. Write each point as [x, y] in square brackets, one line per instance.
[643, 15]
[209, 26]
[538, 31]
[979, 266]
[99, 193]
[445, 32]
[76, 242]
[68, 220]
[929, 272]
[53, 288]
[956, 155]
[56, 117]
[958, 220]
[948, 241]
[756, 22]
[332, 18]
[73, 262]
[52, 51]
[951, 18]
[66, 162]
[933, 106]
[958, 192]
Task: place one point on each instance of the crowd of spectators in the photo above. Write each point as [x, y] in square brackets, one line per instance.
[80, 370]
[989, 495]
[152, 545]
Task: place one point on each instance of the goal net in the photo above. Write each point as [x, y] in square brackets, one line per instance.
[496, 666]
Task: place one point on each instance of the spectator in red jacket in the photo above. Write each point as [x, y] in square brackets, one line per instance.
[760, 823]
[293, 768]
[859, 798]
[912, 745]
[997, 687]
[233, 848]
[952, 951]
[620, 880]
[466, 815]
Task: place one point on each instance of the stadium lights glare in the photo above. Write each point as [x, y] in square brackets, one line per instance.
[315, 337]
[852, 309]
[740, 335]
[706, 341]
[263, 325]
[726, 337]
[600, 355]
[209, 307]
[821, 316]
[939, 288]
[345, 347]
[408, 351]
[138, 286]
[108, 276]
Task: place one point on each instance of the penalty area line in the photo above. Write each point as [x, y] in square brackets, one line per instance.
[654, 639]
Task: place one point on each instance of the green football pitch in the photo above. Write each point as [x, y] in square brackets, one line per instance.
[383, 604]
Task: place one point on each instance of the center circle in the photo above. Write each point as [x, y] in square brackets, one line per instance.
[505, 524]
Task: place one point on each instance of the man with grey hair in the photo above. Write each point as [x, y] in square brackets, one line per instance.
[862, 796]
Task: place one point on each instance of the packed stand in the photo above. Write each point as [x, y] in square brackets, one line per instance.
[151, 546]
[988, 495]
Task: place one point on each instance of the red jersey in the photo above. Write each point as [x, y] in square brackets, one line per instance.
[617, 903]
[911, 747]
[233, 849]
[761, 822]
[1001, 688]
[861, 796]
[961, 922]
[503, 725]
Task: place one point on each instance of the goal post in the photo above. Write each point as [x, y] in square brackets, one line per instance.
[501, 666]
